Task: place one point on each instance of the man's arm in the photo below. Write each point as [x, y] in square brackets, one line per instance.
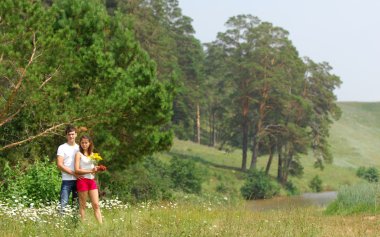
[63, 168]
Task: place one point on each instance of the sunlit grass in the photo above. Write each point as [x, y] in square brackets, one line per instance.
[355, 137]
[197, 219]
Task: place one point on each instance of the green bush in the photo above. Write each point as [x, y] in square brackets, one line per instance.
[152, 179]
[356, 199]
[185, 175]
[37, 183]
[371, 174]
[142, 181]
[361, 171]
[296, 168]
[258, 185]
[291, 189]
[316, 184]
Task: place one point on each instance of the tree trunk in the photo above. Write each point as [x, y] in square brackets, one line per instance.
[285, 175]
[212, 138]
[255, 151]
[245, 134]
[270, 159]
[213, 130]
[211, 124]
[259, 128]
[198, 137]
[279, 169]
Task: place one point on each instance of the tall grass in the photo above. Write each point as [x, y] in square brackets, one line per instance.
[196, 219]
[364, 197]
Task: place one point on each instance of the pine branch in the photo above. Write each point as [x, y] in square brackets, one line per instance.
[49, 78]
[9, 104]
[46, 132]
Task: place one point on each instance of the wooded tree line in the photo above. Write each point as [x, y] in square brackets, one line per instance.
[270, 101]
[133, 72]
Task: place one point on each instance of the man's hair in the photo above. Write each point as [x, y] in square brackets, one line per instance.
[70, 128]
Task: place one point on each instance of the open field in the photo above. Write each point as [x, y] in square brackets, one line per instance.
[355, 138]
[199, 220]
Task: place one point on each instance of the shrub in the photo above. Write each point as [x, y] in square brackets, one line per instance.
[142, 181]
[185, 175]
[371, 174]
[291, 189]
[316, 184]
[152, 179]
[40, 182]
[259, 186]
[296, 169]
[361, 171]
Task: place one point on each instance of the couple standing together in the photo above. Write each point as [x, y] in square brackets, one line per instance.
[78, 173]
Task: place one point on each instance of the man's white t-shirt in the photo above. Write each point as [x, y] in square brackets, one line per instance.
[68, 153]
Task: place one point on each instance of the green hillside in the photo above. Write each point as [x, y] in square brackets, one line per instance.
[354, 139]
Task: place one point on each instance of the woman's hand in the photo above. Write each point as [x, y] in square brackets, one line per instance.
[78, 176]
[95, 169]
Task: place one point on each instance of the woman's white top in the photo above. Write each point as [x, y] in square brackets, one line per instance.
[86, 164]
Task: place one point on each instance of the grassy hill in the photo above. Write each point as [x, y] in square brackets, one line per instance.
[354, 139]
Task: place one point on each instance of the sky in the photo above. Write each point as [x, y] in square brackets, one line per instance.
[344, 33]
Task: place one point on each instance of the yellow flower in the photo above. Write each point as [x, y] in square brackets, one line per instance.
[95, 157]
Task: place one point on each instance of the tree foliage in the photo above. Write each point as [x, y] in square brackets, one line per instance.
[100, 78]
[277, 102]
[167, 35]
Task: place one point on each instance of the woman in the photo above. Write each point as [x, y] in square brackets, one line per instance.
[86, 186]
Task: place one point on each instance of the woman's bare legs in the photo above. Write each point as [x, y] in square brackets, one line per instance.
[94, 197]
[82, 203]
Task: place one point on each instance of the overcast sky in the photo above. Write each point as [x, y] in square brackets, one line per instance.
[344, 33]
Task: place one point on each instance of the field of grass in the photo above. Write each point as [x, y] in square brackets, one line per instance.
[189, 219]
[355, 138]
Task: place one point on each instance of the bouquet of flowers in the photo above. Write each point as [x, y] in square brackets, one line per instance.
[96, 158]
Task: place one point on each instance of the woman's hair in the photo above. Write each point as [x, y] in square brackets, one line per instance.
[90, 147]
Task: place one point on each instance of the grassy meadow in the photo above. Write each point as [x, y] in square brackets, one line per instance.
[220, 211]
[199, 220]
[355, 138]
[171, 219]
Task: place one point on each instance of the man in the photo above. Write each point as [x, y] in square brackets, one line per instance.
[65, 162]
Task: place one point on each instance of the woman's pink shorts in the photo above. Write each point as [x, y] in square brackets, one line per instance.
[84, 184]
